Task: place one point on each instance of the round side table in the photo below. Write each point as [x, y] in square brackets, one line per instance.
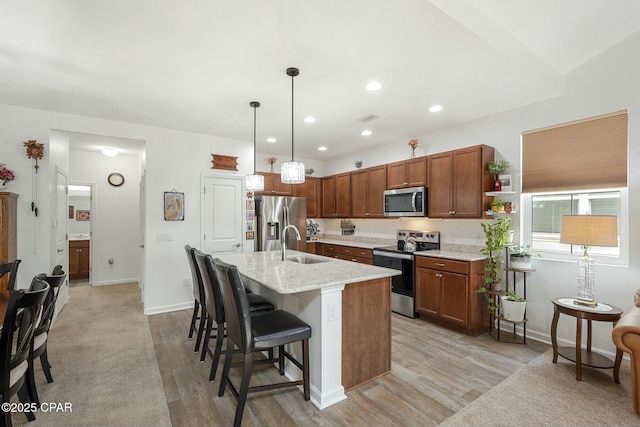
[600, 313]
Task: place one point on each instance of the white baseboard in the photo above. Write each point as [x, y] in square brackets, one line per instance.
[168, 308]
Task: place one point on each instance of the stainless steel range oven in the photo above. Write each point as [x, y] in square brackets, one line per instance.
[401, 258]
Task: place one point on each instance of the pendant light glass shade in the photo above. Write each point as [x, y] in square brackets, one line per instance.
[254, 182]
[292, 172]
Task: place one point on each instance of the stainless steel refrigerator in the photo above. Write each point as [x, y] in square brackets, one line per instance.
[273, 213]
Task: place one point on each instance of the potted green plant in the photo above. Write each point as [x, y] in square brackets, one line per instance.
[513, 307]
[520, 256]
[495, 168]
[497, 238]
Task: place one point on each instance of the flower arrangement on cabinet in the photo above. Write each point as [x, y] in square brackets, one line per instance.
[413, 144]
[6, 174]
[271, 161]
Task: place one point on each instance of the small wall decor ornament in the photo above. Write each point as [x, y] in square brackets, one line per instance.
[229, 163]
[35, 151]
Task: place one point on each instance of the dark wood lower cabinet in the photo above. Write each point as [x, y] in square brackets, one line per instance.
[79, 257]
[447, 293]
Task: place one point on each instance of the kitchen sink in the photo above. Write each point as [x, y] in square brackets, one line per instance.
[306, 260]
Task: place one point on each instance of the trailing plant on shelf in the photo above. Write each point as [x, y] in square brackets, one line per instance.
[497, 235]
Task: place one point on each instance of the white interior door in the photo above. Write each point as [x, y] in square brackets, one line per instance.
[222, 201]
[62, 246]
[143, 216]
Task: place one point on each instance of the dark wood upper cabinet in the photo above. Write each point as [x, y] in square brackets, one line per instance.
[273, 186]
[336, 196]
[310, 189]
[408, 173]
[8, 232]
[367, 188]
[458, 181]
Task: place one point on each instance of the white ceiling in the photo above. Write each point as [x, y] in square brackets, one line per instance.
[195, 65]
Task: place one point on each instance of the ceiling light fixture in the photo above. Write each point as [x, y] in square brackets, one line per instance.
[322, 148]
[373, 86]
[435, 108]
[292, 172]
[366, 132]
[254, 182]
[271, 140]
[109, 151]
[309, 119]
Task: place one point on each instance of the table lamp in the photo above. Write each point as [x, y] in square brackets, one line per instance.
[587, 231]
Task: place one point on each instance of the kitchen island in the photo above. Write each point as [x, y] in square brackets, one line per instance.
[347, 304]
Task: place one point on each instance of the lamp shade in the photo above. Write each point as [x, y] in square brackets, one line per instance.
[292, 172]
[254, 182]
[589, 230]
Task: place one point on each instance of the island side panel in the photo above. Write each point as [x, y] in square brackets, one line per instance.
[366, 332]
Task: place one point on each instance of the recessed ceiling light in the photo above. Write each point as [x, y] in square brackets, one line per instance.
[271, 140]
[322, 148]
[109, 151]
[366, 132]
[435, 108]
[373, 86]
[309, 119]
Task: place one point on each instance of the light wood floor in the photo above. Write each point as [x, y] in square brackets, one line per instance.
[435, 372]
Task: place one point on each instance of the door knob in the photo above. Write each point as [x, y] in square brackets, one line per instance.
[60, 250]
[237, 245]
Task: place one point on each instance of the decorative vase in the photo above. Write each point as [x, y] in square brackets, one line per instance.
[413, 153]
[497, 184]
[2, 183]
[271, 168]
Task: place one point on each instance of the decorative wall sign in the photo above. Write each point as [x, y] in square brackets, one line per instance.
[249, 226]
[71, 211]
[229, 163]
[83, 215]
[249, 235]
[173, 206]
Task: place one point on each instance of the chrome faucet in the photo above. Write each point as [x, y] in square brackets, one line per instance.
[284, 239]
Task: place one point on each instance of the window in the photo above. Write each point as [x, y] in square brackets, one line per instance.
[575, 168]
[546, 218]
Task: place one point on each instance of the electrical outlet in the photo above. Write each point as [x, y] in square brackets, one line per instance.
[331, 313]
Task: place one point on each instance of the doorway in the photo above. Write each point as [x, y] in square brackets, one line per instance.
[79, 226]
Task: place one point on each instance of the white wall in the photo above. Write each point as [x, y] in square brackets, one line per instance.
[115, 215]
[79, 203]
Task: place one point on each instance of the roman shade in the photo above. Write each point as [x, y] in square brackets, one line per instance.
[585, 154]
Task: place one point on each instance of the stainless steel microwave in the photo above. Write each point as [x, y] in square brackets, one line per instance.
[405, 202]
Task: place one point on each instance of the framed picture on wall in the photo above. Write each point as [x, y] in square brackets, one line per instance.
[249, 235]
[71, 212]
[173, 206]
[82, 215]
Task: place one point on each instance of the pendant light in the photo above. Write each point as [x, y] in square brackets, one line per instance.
[292, 172]
[254, 182]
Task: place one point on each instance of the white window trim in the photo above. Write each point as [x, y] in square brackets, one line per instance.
[622, 260]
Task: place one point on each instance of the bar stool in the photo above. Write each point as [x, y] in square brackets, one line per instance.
[259, 332]
[215, 308]
[10, 268]
[199, 310]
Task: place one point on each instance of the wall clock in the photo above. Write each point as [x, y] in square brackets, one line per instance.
[116, 179]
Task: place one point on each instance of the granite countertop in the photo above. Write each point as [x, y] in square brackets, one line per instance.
[461, 256]
[290, 277]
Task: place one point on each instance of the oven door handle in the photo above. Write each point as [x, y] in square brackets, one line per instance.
[392, 255]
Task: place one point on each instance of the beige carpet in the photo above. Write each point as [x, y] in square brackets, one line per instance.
[547, 394]
[103, 363]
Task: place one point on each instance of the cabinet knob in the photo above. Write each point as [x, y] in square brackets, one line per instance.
[366, 214]
[405, 183]
[438, 275]
[439, 264]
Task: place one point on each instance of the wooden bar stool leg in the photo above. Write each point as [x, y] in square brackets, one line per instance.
[305, 370]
